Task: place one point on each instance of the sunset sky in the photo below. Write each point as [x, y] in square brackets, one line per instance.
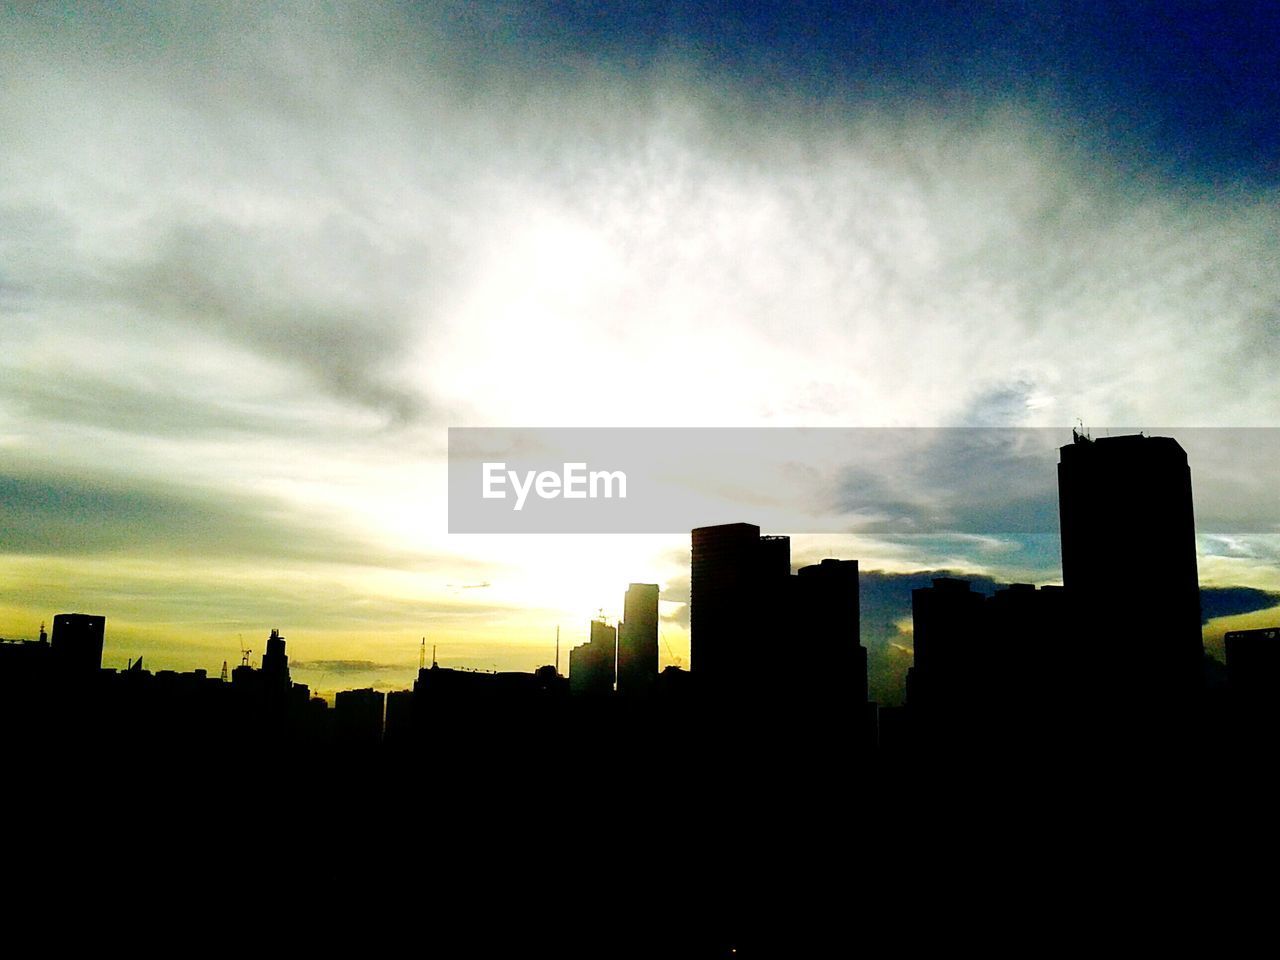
[257, 258]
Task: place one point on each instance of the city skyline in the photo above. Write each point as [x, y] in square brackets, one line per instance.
[1109, 661]
[258, 258]
[886, 632]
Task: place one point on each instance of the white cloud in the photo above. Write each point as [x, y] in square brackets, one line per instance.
[344, 237]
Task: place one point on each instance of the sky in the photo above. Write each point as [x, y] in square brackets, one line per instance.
[256, 259]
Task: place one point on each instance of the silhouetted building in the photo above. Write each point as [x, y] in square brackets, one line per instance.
[825, 609]
[399, 721]
[77, 641]
[946, 630]
[275, 663]
[445, 685]
[774, 556]
[18, 658]
[828, 616]
[357, 716]
[1031, 663]
[638, 641]
[1129, 562]
[591, 665]
[1000, 668]
[737, 604]
[674, 685]
[1028, 632]
[1253, 665]
[271, 707]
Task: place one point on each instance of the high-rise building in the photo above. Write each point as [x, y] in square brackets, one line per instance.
[77, 641]
[1253, 665]
[736, 603]
[398, 726]
[1129, 562]
[357, 716]
[275, 663]
[1030, 659]
[828, 616]
[946, 630]
[592, 665]
[638, 641]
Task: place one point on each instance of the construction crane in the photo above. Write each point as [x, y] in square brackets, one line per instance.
[244, 652]
[671, 656]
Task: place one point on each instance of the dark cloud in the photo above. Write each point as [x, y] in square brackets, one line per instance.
[344, 666]
[42, 515]
[955, 480]
[997, 406]
[1232, 601]
[677, 591]
[1004, 480]
[679, 616]
[134, 406]
[677, 588]
[340, 319]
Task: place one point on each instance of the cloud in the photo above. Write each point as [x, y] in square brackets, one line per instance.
[343, 666]
[103, 401]
[348, 198]
[1232, 601]
[67, 516]
[253, 258]
[323, 299]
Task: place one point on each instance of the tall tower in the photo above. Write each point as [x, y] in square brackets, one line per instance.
[592, 665]
[828, 618]
[946, 628]
[1129, 562]
[736, 590]
[638, 641]
[275, 664]
[77, 641]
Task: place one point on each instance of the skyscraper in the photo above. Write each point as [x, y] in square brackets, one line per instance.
[592, 665]
[946, 635]
[638, 641]
[275, 663]
[77, 641]
[1129, 562]
[829, 620]
[735, 594]
[1253, 665]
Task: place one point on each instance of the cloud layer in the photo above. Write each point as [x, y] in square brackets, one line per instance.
[255, 259]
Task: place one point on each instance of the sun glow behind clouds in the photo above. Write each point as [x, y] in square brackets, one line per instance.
[277, 254]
